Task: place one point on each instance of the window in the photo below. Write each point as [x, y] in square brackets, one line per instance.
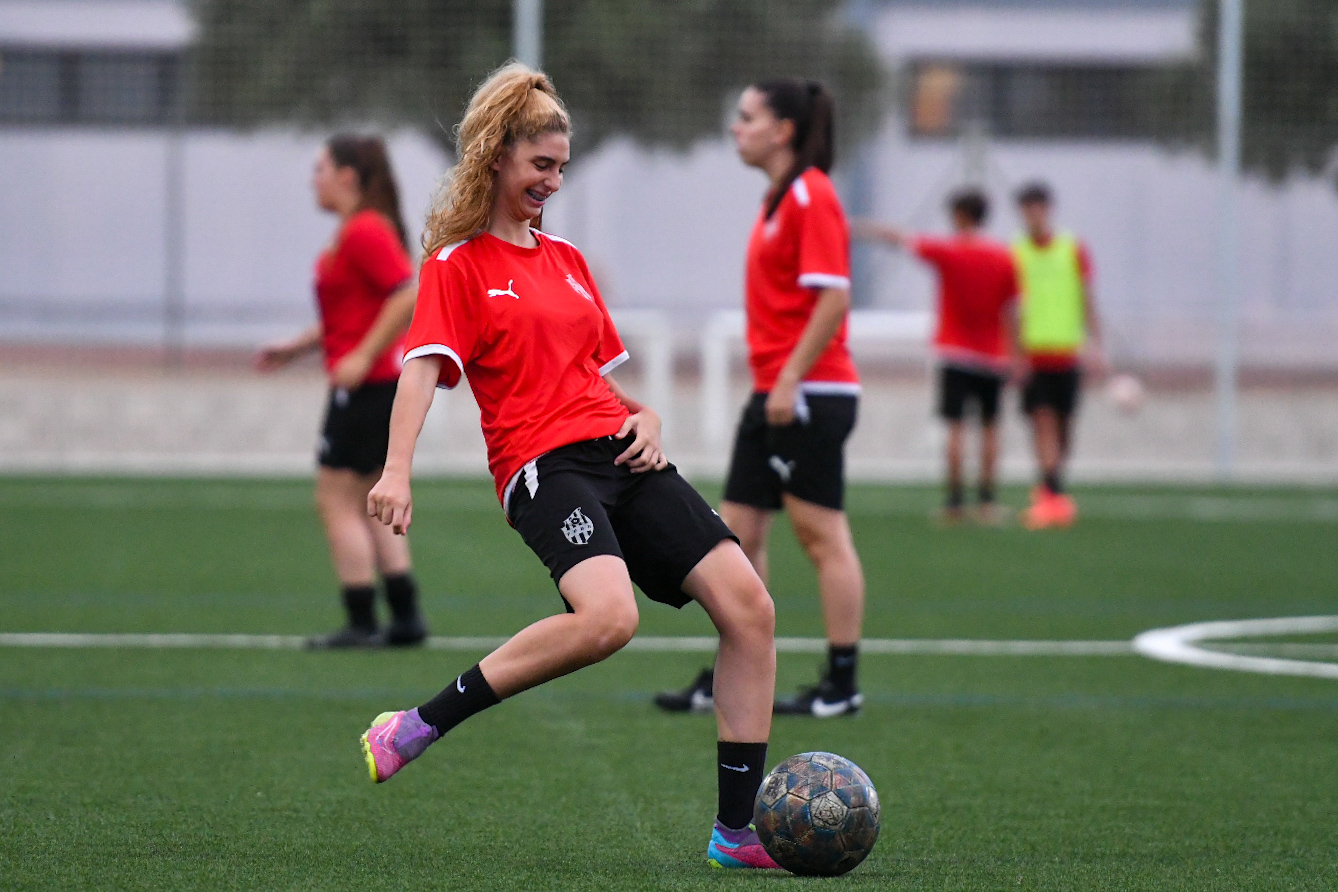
[1036, 100]
[87, 87]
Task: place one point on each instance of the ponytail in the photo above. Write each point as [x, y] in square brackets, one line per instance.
[514, 103]
[812, 110]
[366, 155]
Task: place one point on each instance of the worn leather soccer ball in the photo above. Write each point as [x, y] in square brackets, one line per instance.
[817, 814]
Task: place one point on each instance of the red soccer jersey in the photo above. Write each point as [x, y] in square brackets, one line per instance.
[353, 280]
[977, 282]
[528, 327]
[803, 248]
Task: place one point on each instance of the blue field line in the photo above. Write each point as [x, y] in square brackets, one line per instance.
[902, 700]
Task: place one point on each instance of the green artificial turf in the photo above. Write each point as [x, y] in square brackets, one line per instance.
[239, 769]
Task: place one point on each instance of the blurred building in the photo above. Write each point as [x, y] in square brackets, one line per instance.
[120, 222]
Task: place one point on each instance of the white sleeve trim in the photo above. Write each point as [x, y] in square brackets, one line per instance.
[613, 364]
[446, 251]
[801, 192]
[823, 280]
[437, 350]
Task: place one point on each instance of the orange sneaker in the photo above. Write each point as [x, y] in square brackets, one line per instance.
[1049, 509]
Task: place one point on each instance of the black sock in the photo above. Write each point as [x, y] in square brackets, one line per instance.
[985, 493]
[467, 695]
[740, 768]
[956, 495]
[841, 663]
[360, 603]
[402, 596]
[1051, 481]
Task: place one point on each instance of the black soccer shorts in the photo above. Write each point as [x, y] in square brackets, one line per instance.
[805, 459]
[959, 387]
[357, 428]
[574, 503]
[1053, 390]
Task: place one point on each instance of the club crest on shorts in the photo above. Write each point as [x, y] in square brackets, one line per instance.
[578, 528]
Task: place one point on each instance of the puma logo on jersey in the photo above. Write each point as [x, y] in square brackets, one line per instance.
[503, 292]
[579, 289]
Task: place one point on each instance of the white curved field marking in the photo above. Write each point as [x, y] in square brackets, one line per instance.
[1178, 644]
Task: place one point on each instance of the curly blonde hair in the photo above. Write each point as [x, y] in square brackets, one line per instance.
[514, 103]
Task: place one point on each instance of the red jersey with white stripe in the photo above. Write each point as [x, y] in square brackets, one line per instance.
[977, 282]
[803, 248]
[528, 328]
[353, 279]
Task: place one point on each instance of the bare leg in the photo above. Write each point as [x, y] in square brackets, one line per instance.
[824, 534]
[989, 456]
[1046, 430]
[341, 501]
[733, 595]
[605, 619]
[752, 526]
[392, 552]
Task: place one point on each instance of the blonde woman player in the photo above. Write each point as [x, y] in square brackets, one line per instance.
[577, 462]
[789, 452]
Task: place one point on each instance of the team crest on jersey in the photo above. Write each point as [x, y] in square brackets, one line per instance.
[578, 528]
[579, 288]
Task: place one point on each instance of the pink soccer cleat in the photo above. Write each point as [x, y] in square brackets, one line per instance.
[394, 740]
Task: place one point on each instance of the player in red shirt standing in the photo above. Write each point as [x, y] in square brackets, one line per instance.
[974, 338]
[365, 293]
[576, 461]
[789, 452]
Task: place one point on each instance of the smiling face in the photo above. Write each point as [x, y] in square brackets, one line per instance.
[759, 136]
[528, 173]
[336, 187]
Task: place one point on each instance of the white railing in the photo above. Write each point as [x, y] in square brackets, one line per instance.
[649, 336]
[722, 338]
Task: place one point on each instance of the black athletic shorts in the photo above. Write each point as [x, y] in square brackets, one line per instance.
[1052, 390]
[805, 459]
[574, 503]
[357, 428]
[957, 387]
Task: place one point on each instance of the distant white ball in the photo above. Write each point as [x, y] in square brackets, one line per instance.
[1126, 392]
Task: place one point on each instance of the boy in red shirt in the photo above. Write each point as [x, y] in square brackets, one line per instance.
[973, 339]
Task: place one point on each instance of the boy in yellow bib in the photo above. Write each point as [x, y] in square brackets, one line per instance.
[1057, 324]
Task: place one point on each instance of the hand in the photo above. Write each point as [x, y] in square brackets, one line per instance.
[780, 403]
[273, 357]
[870, 230]
[1096, 361]
[1020, 371]
[645, 453]
[351, 371]
[391, 503]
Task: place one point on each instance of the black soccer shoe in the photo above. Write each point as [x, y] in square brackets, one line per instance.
[347, 638]
[405, 633]
[696, 697]
[822, 701]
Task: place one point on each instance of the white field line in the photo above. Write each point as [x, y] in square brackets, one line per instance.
[1179, 644]
[951, 646]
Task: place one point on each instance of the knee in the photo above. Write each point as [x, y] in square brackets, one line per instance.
[609, 631]
[755, 612]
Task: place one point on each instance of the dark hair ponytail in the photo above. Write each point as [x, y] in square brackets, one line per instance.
[811, 108]
[367, 156]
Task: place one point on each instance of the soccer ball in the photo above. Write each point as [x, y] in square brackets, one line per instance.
[1126, 392]
[817, 814]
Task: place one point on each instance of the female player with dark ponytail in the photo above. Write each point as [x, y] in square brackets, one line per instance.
[365, 293]
[789, 449]
[576, 461]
